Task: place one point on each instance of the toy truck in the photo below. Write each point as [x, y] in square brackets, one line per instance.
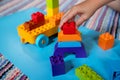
[39, 29]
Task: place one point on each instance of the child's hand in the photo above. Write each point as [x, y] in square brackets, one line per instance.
[85, 10]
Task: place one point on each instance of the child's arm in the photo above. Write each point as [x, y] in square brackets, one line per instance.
[85, 10]
[115, 5]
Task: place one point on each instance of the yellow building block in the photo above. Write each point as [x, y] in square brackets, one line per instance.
[52, 11]
[56, 18]
[48, 29]
[69, 37]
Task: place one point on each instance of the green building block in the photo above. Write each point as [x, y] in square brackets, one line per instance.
[52, 3]
[86, 73]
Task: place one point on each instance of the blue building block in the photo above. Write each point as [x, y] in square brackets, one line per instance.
[78, 51]
[58, 65]
[116, 75]
[69, 44]
[112, 67]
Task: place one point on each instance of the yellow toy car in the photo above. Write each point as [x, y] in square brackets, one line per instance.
[37, 31]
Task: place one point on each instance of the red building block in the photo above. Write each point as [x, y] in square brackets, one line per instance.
[29, 25]
[69, 28]
[38, 18]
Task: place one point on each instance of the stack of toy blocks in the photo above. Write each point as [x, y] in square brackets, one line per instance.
[106, 41]
[58, 65]
[36, 21]
[69, 41]
[86, 73]
[52, 7]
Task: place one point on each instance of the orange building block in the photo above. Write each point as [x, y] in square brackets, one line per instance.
[106, 41]
[69, 37]
[56, 18]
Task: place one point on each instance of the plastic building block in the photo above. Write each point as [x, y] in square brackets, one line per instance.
[28, 32]
[116, 75]
[29, 25]
[69, 44]
[86, 73]
[106, 41]
[38, 18]
[42, 40]
[52, 3]
[69, 37]
[112, 68]
[69, 28]
[58, 65]
[56, 18]
[48, 29]
[78, 51]
[51, 12]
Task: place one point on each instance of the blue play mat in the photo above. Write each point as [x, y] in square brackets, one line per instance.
[34, 61]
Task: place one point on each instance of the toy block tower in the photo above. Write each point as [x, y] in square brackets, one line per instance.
[106, 41]
[69, 41]
[52, 7]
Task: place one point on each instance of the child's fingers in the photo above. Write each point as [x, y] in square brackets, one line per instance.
[69, 15]
[62, 20]
[66, 13]
[81, 20]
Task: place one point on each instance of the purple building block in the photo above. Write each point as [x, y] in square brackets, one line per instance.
[58, 65]
[78, 51]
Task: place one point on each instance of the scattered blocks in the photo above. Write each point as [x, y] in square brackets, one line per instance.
[69, 37]
[58, 65]
[69, 28]
[106, 41]
[78, 51]
[86, 73]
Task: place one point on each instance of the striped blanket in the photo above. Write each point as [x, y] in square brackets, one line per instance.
[9, 72]
[105, 19]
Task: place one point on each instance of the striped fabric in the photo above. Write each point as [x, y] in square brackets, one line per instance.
[105, 19]
[9, 72]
